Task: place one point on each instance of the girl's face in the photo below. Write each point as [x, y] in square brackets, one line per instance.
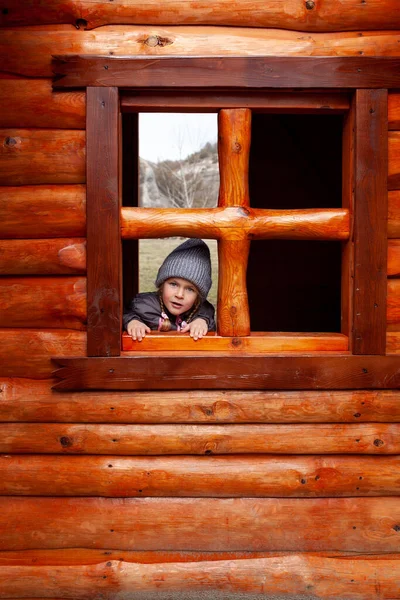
[178, 295]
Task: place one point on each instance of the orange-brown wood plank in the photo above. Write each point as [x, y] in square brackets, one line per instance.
[338, 15]
[275, 575]
[42, 156]
[31, 400]
[104, 252]
[42, 302]
[370, 222]
[28, 352]
[212, 524]
[297, 103]
[47, 211]
[394, 161]
[187, 476]
[57, 256]
[393, 258]
[394, 214]
[394, 110]
[26, 53]
[235, 223]
[267, 342]
[393, 305]
[32, 103]
[68, 438]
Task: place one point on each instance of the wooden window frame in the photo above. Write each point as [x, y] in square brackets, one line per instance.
[230, 82]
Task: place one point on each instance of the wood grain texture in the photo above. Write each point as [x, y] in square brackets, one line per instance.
[104, 253]
[30, 55]
[187, 476]
[226, 72]
[370, 222]
[236, 223]
[393, 305]
[131, 440]
[43, 302]
[42, 156]
[212, 524]
[393, 342]
[30, 400]
[233, 315]
[394, 110]
[295, 102]
[57, 256]
[394, 160]
[344, 15]
[216, 371]
[47, 211]
[393, 269]
[28, 352]
[234, 137]
[365, 578]
[394, 214]
[34, 104]
[267, 342]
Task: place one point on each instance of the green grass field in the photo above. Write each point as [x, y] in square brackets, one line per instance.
[152, 254]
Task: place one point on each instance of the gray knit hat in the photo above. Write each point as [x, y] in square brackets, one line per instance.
[191, 261]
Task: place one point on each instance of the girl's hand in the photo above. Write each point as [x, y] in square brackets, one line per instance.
[197, 328]
[137, 330]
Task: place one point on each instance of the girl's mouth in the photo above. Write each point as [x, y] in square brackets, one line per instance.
[176, 305]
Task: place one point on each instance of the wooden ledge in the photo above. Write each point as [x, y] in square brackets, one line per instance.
[272, 342]
[247, 371]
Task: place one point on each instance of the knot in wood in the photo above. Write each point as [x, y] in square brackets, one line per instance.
[81, 24]
[237, 147]
[10, 142]
[65, 441]
[378, 443]
[236, 342]
[310, 4]
[157, 40]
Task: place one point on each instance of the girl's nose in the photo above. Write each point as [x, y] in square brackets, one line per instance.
[179, 292]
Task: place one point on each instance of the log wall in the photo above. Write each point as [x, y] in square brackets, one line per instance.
[118, 493]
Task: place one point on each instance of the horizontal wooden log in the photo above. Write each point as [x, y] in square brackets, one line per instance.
[30, 400]
[226, 72]
[212, 524]
[43, 211]
[42, 156]
[289, 575]
[296, 103]
[394, 110]
[393, 258]
[28, 352]
[33, 104]
[267, 342]
[57, 256]
[30, 55]
[235, 223]
[393, 305]
[186, 476]
[67, 438]
[213, 371]
[394, 160]
[55, 302]
[393, 342]
[338, 15]
[394, 214]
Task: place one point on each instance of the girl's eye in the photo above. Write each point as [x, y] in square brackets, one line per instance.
[189, 289]
[173, 283]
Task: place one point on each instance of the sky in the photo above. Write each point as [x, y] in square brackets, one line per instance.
[174, 135]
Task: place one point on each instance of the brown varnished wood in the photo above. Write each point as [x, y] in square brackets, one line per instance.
[30, 400]
[228, 372]
[367, 577]
[34, 104]
[393, 305]
[393, 258]
[267, 342]
[355, 524]
[394, 214]
[67, 438]
[27, 352]
[226, 72]
[393, 342]
[233, 317]
[57, 256]
[42, 156]
[370, 222]
[187, 476]
[235, 223]
[43, 302]
[342, 15]
[104, 257]
[234, 137]
[30, 55]
[394, 110]
[298, 103]
[46, 211]
[394, 160]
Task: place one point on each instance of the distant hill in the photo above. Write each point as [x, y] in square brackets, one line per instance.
[189, 183]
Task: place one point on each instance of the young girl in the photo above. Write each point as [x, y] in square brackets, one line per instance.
[183, 282]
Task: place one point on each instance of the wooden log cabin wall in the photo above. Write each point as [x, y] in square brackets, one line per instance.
[289, 492]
